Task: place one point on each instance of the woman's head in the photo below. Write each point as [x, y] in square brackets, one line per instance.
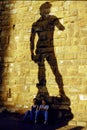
[43, 102]
[35, 101]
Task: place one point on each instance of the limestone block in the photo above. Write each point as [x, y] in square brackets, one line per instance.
[72, 122]
[81, 123]
[70, 56]
[14, 11]
[82, 55]
[83, 40]
[82, 21]
[72, 70]
[83, 32]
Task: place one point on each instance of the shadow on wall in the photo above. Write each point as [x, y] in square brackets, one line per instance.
[4, 43]
[44, 28]
[77, 128]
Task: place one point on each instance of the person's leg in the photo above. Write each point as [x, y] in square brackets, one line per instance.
[53, 64]
[45, 116]
[32, 115]
[26, 115]
[36, 115]
[41, 72]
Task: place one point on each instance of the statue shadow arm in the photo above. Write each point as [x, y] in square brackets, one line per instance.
[59, 25]
[32, 39]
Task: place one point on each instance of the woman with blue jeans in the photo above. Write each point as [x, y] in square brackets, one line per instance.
[32, 112]
[43, 111]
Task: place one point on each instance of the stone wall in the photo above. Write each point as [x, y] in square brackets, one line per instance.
[18, 73]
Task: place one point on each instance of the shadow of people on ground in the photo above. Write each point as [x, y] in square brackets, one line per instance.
[44, 28]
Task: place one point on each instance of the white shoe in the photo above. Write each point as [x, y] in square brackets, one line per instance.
[35, 121]
[45, 122]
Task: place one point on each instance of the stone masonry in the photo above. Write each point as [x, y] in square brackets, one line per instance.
[18, 73]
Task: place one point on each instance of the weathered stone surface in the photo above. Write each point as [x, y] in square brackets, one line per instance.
[20, 74]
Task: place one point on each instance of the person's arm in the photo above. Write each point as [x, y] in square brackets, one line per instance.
[41, 107]
[59, 25]
[32, 38]
[37, 107]
[46, 107]
[31, 107]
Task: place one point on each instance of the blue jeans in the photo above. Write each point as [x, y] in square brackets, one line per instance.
[31, 114]
[26, 115]
[43, 113]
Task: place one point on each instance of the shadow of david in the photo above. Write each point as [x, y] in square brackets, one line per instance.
[60, 111]
[42, 92]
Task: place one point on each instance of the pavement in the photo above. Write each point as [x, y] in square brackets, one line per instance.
[13, 121]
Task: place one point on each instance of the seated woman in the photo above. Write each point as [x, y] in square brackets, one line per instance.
[43, 111]
[31, 113]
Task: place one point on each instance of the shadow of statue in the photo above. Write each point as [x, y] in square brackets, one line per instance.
[44, 28]
[4, 43]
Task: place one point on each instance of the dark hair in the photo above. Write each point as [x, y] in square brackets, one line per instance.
[35, 100]
[44, 100]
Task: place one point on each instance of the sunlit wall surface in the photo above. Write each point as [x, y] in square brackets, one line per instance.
[19, 74]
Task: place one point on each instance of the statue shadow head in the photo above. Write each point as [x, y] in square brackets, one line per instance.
[45, 8]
